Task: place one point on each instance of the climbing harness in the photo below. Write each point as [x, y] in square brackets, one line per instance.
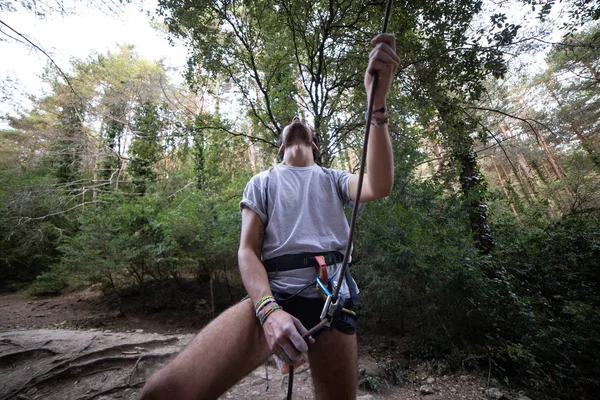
[323, 283]
[333, 309]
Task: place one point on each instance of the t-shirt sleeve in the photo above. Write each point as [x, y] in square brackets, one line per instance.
[342, 180]
[254, 198]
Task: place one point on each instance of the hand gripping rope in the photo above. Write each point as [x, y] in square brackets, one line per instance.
[332, 309]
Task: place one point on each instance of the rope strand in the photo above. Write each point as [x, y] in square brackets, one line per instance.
[336, 292]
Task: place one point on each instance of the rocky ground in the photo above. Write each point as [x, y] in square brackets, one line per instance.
[73, 347]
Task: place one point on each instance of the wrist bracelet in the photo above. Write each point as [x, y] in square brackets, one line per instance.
[264, 304]
[262, 300]
[380, 121]
[379, 110]
[269, 312]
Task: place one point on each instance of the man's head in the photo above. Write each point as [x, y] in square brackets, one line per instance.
[297, 132]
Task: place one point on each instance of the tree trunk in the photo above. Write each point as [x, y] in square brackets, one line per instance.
[212, 296]
[558, 172]
[588, 144]
[503, 185]
[527, 188]
[529, 179]
[435, 147]
[471, 181]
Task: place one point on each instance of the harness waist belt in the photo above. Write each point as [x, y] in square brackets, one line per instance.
[297, 261]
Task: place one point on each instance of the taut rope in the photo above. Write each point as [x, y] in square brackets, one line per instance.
[335, 295]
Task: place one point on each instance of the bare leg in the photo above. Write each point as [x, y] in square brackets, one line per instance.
[334, 366]
[225, 351]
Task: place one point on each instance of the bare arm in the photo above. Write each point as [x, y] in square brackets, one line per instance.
[282, 331]
[252, 270]
[379, 178]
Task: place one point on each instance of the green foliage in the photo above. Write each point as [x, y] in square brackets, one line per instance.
[554, 270]
[370, 383]
[124, 241]
[308, 58]
[579, 12]
[529, 308]
[419, 264]
[28, 240]
[100, 250]
[67, 152]
[116, 185]
[572, 83]
[54, 165]
[145, 148]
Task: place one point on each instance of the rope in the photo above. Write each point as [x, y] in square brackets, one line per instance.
[361, 174]
[334, 297]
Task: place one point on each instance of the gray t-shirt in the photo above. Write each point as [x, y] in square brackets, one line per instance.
[302, 209]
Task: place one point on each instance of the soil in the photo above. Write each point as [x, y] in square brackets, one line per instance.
[76, 346]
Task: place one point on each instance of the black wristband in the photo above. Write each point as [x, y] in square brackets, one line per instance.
[380, 110]
[378, 121]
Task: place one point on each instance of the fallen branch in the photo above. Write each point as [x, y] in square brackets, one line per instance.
[133, 369]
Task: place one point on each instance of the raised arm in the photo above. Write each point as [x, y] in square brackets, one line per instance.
[379, 176]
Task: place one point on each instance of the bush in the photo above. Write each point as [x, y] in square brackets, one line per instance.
[126, 240]
[530, 308]
[555, 270]
[30, 228]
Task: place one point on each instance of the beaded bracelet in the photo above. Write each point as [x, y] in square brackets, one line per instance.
[264, 298]
[264, 303]
[269, 312]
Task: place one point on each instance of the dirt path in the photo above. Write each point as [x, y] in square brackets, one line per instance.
[88, 309]
[72, 347]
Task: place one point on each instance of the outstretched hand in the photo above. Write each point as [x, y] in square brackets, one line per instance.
[284, 334]
[384, 62]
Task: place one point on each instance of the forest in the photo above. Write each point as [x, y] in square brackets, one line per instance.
[486, 253]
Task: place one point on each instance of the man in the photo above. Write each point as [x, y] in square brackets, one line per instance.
[296, 207]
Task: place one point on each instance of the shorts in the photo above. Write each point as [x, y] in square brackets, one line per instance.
[308, 311]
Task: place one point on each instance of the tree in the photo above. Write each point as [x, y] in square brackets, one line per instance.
[43, 9]
[145, 148]
[572, 81]
[279, 67]
[579, 12]
[62, 156]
